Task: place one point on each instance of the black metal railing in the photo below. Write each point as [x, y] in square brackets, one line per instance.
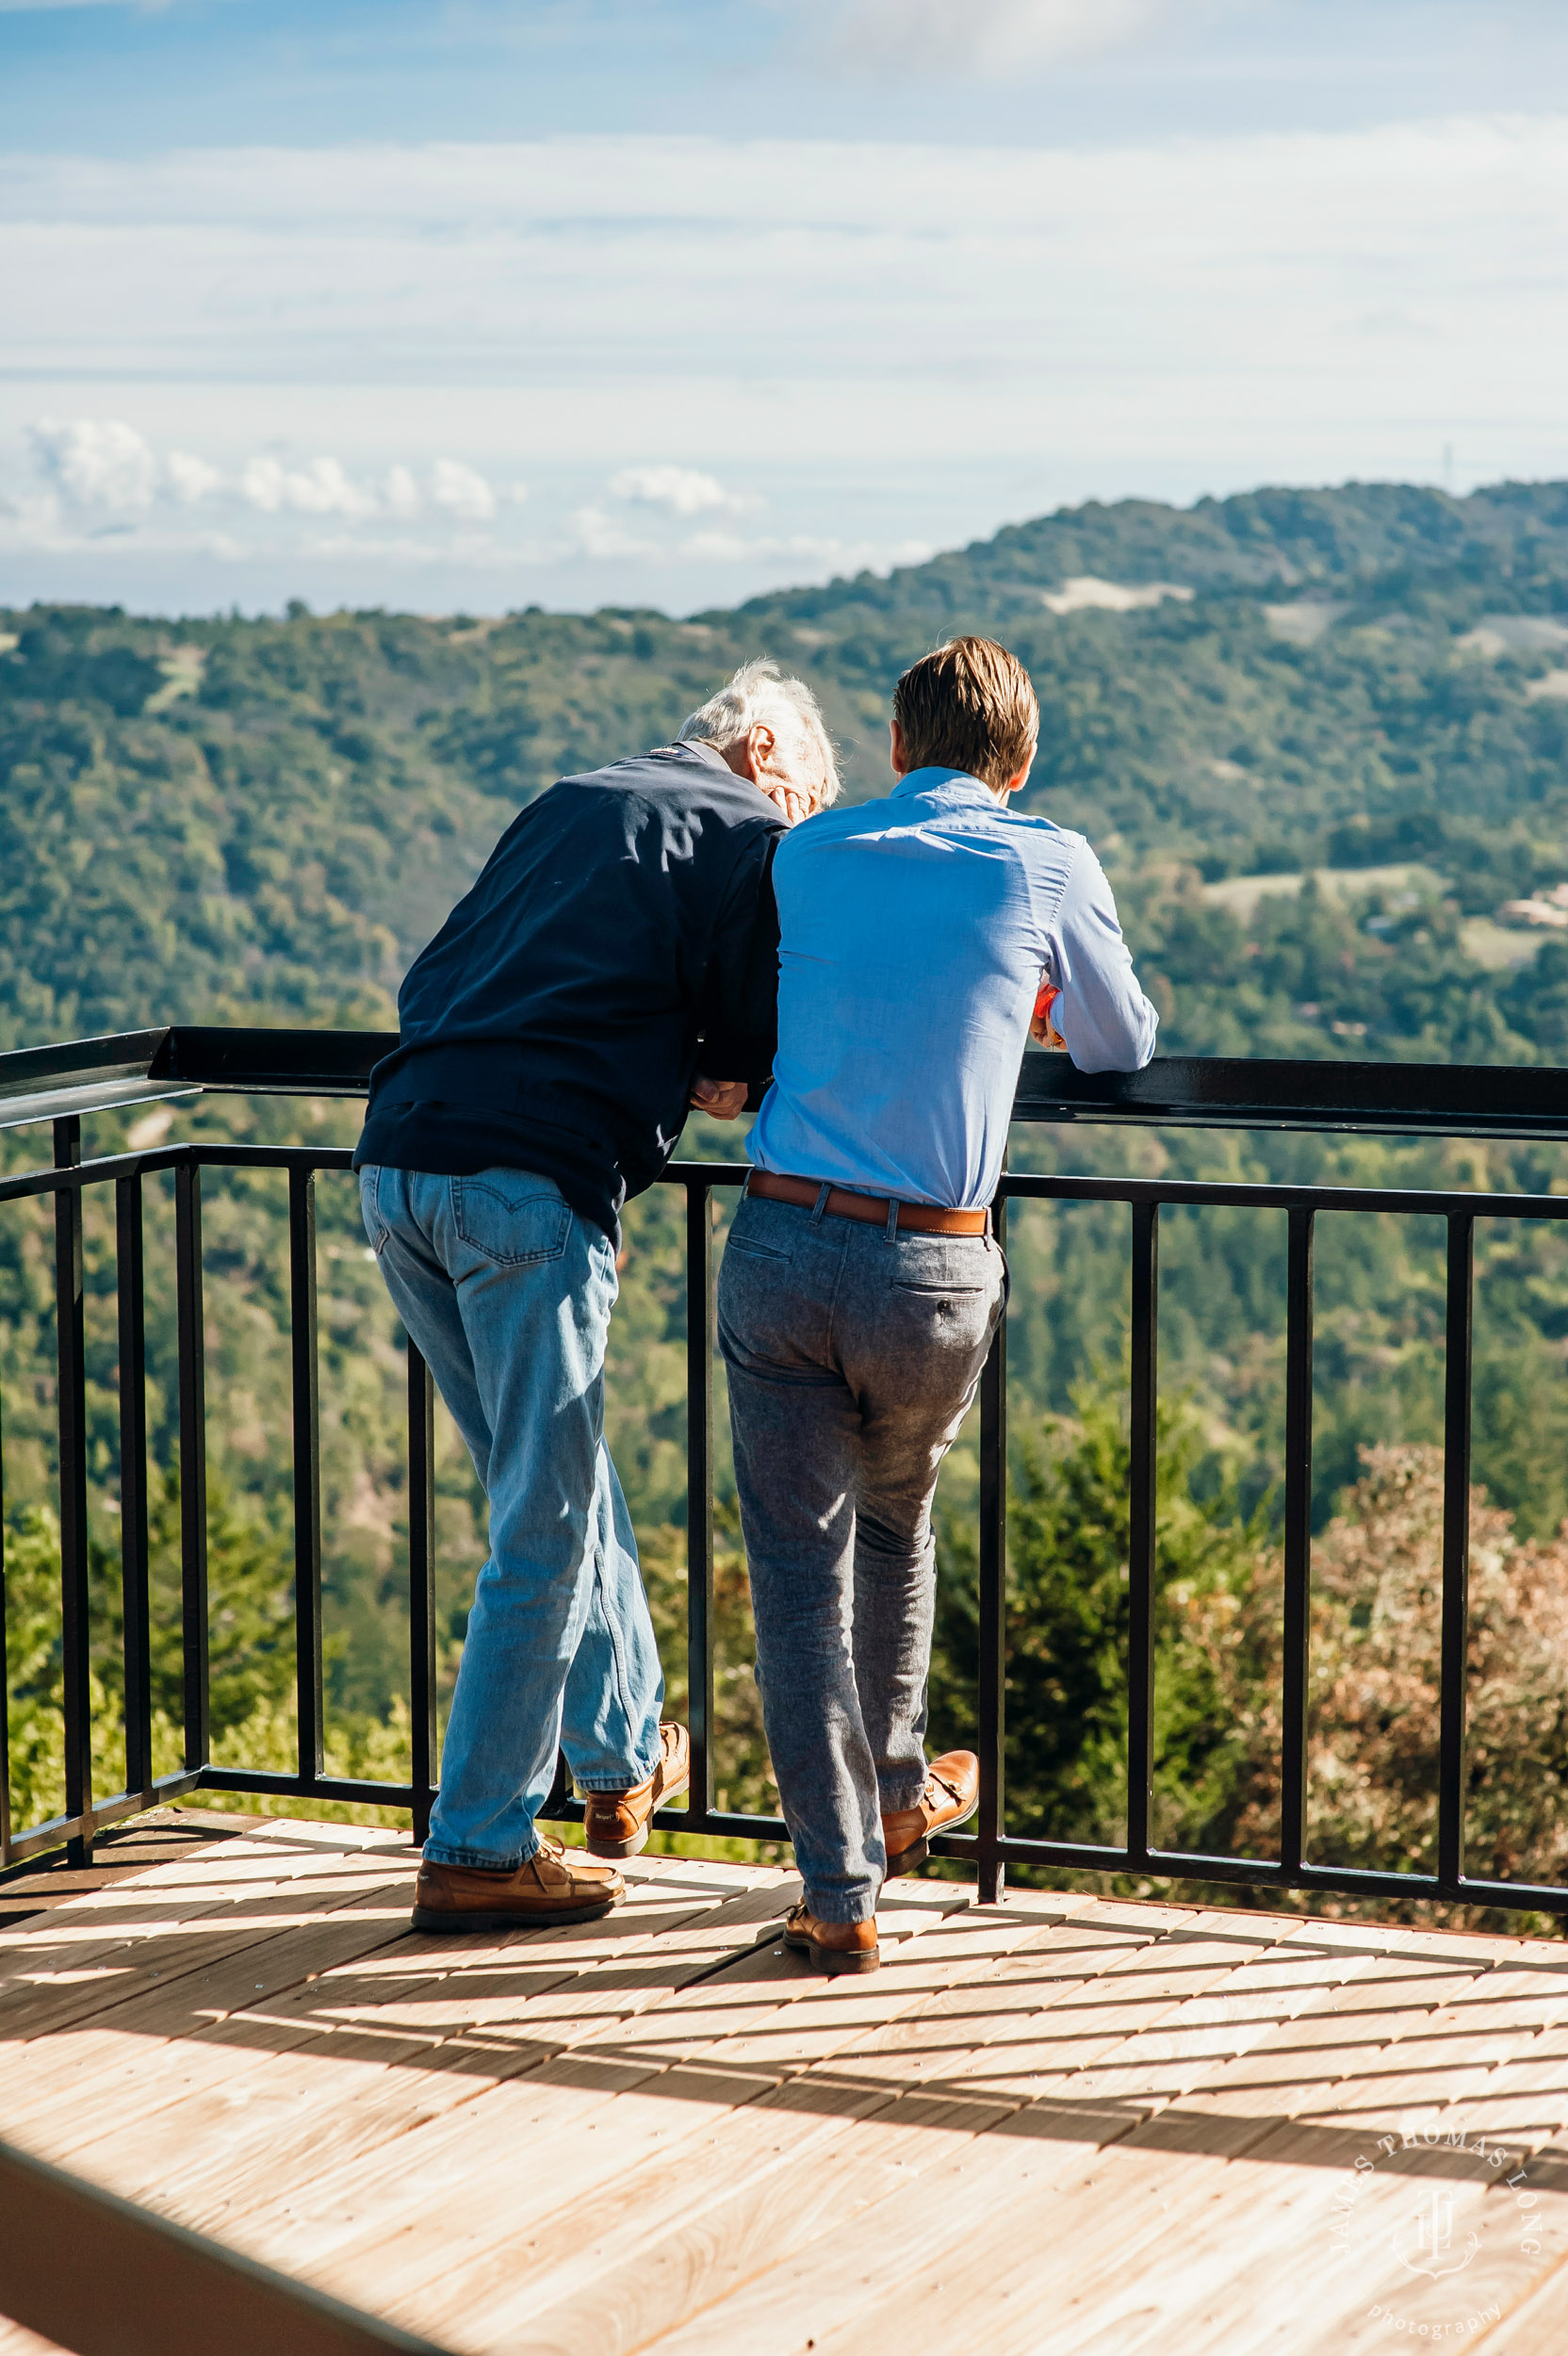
[61, 1084]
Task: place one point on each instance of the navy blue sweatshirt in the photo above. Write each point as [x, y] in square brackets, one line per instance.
[621, 938]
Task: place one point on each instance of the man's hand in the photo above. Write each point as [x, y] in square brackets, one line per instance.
[1041, 1029]
[721, 1100]
[793, 802]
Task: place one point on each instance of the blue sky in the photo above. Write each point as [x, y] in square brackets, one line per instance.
[126, 79]
[489, 304]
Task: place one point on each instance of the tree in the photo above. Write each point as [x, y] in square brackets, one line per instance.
[1067, 1622]
[1375, 1686]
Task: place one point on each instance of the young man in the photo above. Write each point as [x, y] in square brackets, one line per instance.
[861, 1285]
[620, 944]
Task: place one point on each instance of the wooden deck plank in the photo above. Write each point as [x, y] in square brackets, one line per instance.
[1358, 2299]
[874, 2156]
[116, 1916]
[1129, 1997]
[622, 2269]
[1534, 2327]
[317, 2116]
[176, 2116]
[204, 2028]
[89, 2069]
[1060, 2126]
[663, 2089]
[1262, 2201]
[83, 1957]
[118, 1854]
[988, 2210]
[534, 2085]
[1502, 2101]
[1217, 2252]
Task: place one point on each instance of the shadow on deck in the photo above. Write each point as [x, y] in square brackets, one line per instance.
[1062, 2124]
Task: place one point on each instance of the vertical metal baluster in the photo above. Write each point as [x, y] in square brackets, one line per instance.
[991, 1728]
[1141, 1534]
[307, 1469]
[193, 1457]
[1297, 1598]
[1451, 1772]
[699, 1497]
[75, 1625]
[421, 1585]
[134, 1568]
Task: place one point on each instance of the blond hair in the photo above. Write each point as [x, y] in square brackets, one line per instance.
[968, 705]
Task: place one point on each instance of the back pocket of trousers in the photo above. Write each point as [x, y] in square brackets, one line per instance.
[937, 1265]
[514, 1220]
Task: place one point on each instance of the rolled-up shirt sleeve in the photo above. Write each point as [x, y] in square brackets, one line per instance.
[1102, 1016]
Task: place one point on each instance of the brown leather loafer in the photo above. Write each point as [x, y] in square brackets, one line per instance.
[616, 1823]
[952, 1792]
[832, 1946]
[552, 1889]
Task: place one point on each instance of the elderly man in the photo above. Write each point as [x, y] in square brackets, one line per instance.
[617, 961]
[861, 1285]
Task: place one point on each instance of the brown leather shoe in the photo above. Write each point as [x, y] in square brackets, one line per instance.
[832, 1946]
[552, 1889]
[952, 1792]
[616, 1823]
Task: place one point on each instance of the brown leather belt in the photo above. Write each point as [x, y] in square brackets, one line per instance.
[925, 1218]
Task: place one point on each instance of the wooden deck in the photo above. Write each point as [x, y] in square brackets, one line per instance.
[1063, 2124]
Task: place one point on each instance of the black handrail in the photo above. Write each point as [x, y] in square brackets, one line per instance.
[1173, 1092]
[1233, 1092]
[1294, 1095]
[88, 1075]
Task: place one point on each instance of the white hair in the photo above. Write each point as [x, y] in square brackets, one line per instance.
[760, 695]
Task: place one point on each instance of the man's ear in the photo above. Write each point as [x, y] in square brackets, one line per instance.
[895, 750]
[1015, 784]
[761, 744]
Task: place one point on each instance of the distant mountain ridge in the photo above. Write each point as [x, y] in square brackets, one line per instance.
[1257, 539]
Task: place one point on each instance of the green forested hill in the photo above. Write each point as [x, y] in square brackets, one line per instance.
[228, 819]
[261, 821]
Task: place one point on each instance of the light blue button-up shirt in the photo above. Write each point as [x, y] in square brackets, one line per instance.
[914, 935]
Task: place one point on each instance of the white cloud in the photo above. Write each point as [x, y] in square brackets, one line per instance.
[103, 467]
[400, 493]
[682, 489]
[913, 37]
[462, 490]
[320, 488]
[32, 524]
[95, 462]
[191, 479]
[593, 533]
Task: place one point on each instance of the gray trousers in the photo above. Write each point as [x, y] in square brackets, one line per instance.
[852, 1356]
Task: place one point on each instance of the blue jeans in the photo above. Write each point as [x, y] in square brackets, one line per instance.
[508, 1293]
[852, 1357]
